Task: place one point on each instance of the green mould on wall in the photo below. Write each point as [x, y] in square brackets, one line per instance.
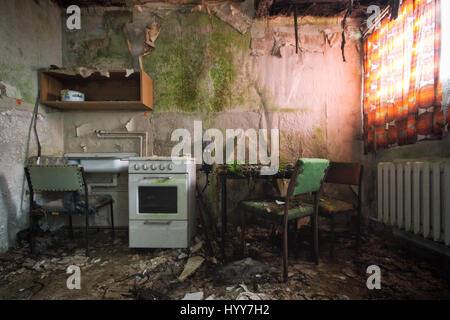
[193, 63]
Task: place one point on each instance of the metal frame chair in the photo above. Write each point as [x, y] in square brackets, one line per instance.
[60, 178]
[289, 212]
[345, 173]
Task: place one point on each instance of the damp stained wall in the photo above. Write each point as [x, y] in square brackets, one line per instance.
[204, 69]
[30, 38]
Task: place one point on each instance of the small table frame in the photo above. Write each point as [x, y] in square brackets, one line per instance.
[224, 173]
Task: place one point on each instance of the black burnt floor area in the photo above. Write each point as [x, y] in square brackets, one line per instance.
[114, 271]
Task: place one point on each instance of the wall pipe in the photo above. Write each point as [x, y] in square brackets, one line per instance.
[142, 136]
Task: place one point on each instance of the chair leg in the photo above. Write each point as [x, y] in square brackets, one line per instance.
[358, 226]
[316, 236]
[31, 217]
[272, 232]
[70, 226]
[33, 228]
[285, 249]
[296, 245]
[243, 226]
[86, 211]
[332, 225]
[112, 220]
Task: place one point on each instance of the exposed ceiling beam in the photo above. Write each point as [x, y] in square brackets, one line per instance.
[315, 1]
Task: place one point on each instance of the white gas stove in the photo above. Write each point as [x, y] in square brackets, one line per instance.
[161, 194]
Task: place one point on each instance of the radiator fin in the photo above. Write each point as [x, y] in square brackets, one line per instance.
[415, 196]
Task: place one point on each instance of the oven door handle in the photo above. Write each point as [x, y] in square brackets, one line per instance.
[156, 222]
[156, 178]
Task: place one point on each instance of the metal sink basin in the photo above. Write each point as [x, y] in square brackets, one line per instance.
[101, 162]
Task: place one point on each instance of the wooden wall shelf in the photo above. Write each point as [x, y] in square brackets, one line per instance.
[117, 92]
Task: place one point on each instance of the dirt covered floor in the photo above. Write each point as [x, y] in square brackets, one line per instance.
[114, 271]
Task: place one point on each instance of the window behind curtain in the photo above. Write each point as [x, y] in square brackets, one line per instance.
[402, 78]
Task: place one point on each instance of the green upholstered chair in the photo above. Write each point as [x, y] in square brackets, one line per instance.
[306, 178]
[61, 178]
[344, 173]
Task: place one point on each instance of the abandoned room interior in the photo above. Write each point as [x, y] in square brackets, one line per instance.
[224, 150]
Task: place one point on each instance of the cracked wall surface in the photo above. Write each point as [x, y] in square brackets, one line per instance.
[30, 39]
[205, 69]
[216, 64]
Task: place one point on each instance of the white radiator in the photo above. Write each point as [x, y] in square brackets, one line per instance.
[415, 196]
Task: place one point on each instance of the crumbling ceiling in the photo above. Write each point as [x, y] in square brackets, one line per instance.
[263, 7]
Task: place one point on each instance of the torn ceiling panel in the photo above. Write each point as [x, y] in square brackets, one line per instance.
[325, 8]
[263, 8]
[233, 15]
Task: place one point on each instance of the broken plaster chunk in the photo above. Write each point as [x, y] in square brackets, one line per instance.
[182, 256]
[130, 125]
[128, 72]
[11, 91]
[196, 247]
[82, 130]
[233, 16]
[85, 72]
[193, 296]
[191, 266]
[252, 296]
[151, 34]
[278, 43]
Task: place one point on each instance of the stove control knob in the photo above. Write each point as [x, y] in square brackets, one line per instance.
[145, 167]
[161, 167]
[170, 166]
[136, 167]
[153, 167]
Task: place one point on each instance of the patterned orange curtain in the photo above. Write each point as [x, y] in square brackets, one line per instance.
[402, 89]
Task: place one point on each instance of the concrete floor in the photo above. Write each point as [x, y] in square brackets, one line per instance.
[115, 271]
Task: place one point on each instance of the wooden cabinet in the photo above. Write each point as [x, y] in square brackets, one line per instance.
[116, 92]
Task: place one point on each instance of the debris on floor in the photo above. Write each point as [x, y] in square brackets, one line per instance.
[114, 271]
[241, 270]
[192, 264]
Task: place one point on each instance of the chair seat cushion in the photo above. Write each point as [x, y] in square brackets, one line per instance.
[96, 201]
[272, 210]
[330, 206]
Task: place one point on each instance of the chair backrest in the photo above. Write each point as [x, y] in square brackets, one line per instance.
[344, 173]
[307, 176]
[311, 176]
[55, 177]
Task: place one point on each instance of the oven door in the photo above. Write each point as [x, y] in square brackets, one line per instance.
[158, 196]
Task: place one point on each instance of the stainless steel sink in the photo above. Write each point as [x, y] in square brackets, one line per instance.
[101, 162]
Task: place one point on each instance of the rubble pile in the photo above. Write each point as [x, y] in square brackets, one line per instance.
[114, 271]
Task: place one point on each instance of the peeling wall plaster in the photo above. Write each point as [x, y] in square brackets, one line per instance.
[33, 35]
[204, 69]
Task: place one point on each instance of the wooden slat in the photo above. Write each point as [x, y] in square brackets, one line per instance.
[344, 173]
[400, 196]
[116, 92]
[146, 90]
[408, 199]
[425, 199]
[50, 87]
[436, 201]
[313, 1]
[96, 105]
